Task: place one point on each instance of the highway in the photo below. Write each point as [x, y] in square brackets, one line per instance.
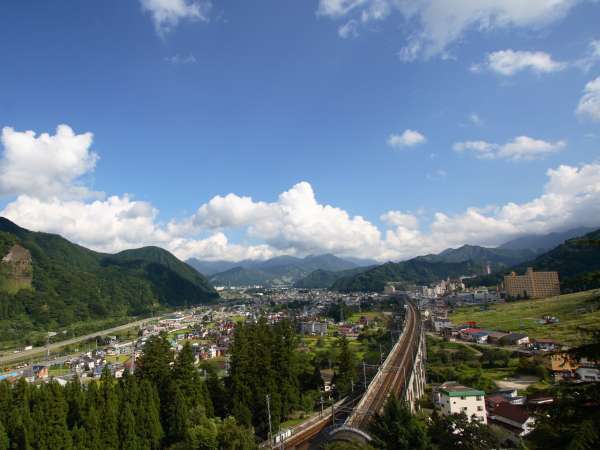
[12, 357]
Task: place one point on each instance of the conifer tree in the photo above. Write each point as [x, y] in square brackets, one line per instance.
[216, 389]
[109, 412]
[346, 373]
[176, 416]
[128, 438]
[4, 442]
[91, 418]
[79, 438]
[18, 434]
[147, 416]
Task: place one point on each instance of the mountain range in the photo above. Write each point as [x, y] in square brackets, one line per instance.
[470, 259]
[540, 243]
[281, 270]
[323, 271]
[47, 282]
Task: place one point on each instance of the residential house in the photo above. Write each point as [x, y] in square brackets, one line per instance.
[515, 339]
[495, 337]
[514, 417]
[454, 398]
[481, 337]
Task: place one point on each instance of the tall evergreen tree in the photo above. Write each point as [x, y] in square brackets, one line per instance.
[4, 442]
[148, 416]
[108, 412]
[18, 434]
[176, 416]
[91, 422]
[128, 437]
[345, 375]
[398, 429]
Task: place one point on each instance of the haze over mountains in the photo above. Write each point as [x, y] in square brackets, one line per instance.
[281, 270]
[323, 271]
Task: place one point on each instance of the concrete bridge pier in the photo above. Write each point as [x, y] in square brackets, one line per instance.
[415, 387]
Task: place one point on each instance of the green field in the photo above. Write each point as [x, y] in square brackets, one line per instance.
[573, 310]
[371, 315]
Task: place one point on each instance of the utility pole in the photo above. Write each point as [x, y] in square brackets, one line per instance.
[333, 414]
[270, 427]
[321, 404]
[365, 375]
[380, 356]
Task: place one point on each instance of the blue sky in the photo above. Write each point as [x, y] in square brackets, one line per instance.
[390, 112]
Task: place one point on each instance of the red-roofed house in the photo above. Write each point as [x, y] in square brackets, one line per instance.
[515, 417]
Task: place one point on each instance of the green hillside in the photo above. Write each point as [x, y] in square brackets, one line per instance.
[574, 311]
[577, 262]
[323, 279]
[72, 284]
[414, 271]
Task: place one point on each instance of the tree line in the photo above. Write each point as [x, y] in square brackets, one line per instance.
[163, 405]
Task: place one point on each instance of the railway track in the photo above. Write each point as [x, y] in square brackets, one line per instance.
[391, 376]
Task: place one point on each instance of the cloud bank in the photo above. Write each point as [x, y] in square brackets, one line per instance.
[296, 222]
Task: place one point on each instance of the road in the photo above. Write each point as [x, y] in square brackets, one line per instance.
[12, 357]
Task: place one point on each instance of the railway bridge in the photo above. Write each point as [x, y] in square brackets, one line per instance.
[402, 374]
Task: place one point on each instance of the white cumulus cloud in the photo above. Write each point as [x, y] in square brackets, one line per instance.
[589, 104]
[166, 14]
[509, 62]
[409, 138]
[520, 148]
[45, 165]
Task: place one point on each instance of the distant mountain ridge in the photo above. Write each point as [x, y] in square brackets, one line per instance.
[74, 284]
[495, 257]
[541, 243]
[422, 269]
[281, 270]
[323, 279]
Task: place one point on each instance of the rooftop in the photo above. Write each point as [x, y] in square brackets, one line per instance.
[511, 412]
[453, 389]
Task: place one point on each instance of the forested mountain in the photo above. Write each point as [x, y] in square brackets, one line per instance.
[281, 270]
[577, 262]
[541, 243]
[323, 279]
[73, 284]
[495, 257]
[413, 271]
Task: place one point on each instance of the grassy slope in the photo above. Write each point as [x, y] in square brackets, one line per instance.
[581, 309]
